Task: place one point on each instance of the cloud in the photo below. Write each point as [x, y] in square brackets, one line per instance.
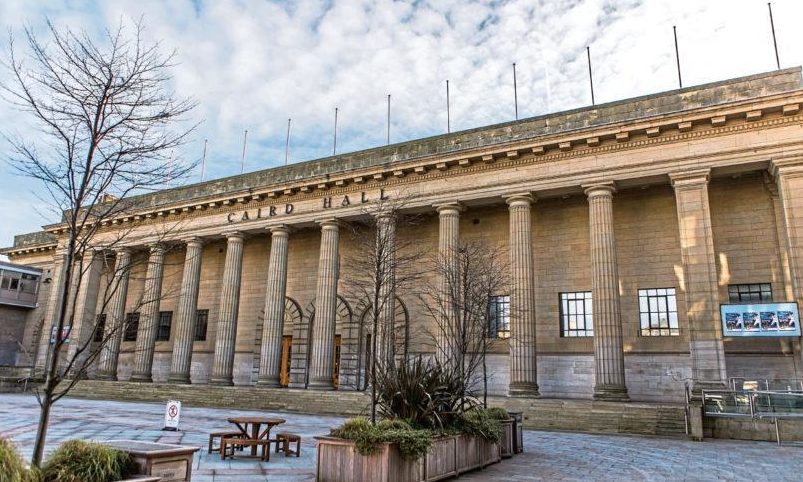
[254, 64]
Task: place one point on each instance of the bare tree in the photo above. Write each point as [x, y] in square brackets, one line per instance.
[382, 269]
[457, 301]
[107, 129]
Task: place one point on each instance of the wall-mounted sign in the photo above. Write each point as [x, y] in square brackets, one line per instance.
[65, 334]
[172, 414]
[761, 319]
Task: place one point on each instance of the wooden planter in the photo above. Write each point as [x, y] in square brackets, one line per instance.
[338, 460]
[158, 461]
[506, 445]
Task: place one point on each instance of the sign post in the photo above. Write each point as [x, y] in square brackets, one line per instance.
[172, 414]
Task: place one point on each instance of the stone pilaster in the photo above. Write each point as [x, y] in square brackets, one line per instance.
[85, 315]
[788, 174]
[448, 242]
[386, 257]
[115, 325]
[52, 311]
[700, 278]
[225, 339]
[186, 313]
[523, 372]
[323, 329]
[149, 319]
[784, 271]
[273, 326]
[609, 359]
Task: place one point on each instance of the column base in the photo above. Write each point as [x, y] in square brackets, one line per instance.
[523, 390]
[141, 378]
[179, 378]
[611, 393]
[325, 384]
[105, 376]
[269, 383]
[223, 382]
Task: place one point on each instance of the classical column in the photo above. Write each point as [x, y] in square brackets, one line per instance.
[186, 313]
[784, 268]
[273, 327]
[149, 319]
[386, 258]
[86, 303]
[226, 337]
[107, 366]
[448, 241]
[523, 373]
[700, 278]
[54, 299]
[323, 329]
[788, 174]
[609, 359]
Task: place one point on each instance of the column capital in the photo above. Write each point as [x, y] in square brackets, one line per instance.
[328, 223]
[123, 251]
[692, 178]
[156, 248]
[519, 199]
[384, 214]
[786, 165]
[279, 230]
[450, 208]
[606, 188]
[195, 241]
[234, 235]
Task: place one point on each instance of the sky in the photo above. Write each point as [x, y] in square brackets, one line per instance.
[251, 65]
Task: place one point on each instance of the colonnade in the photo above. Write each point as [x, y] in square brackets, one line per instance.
[697, 257]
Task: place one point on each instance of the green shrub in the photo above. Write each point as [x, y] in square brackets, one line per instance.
[81, 461]
[12, 467]
[497, 413]
[481, 423]
[412, 443]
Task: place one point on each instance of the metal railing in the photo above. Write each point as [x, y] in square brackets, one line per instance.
[740, 384]
[767, 405]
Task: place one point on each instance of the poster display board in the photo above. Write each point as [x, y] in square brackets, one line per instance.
[760, 319]
[65, 334]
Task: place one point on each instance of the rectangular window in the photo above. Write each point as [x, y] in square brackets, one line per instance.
[201, 320]
[658, 312]
[576, 314]
[29, 283]
[165, 322]
[499, 316]
[101, 326]
[750, 293]
[131, 327]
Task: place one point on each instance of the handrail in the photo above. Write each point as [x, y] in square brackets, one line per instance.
[755, 405]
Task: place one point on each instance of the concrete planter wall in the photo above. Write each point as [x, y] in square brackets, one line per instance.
[339, 461]
[158, 461]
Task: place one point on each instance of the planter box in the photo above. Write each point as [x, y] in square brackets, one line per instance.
[338, 460]
[168, 463]
[506, 445]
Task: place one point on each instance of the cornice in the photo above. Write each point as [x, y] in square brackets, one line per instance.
[758, 113]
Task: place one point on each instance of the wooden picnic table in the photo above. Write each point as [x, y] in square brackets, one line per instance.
[251, 428]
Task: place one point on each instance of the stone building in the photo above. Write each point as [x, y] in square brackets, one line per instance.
[626, 226]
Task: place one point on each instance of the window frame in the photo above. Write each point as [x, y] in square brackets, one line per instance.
[649, 330]
[200, 335]
[754, 293]
[498, 307]
[587, 314]
[160, 327]
[131, 330]
[100, 327]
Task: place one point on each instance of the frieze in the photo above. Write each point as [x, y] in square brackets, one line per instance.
[285, 209]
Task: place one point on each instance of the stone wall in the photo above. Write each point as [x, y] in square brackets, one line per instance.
[12, 329]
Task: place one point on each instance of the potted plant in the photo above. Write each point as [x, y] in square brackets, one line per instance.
[432, 429]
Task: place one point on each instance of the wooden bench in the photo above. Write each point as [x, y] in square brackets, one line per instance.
[228, 444]
[219, 435]
[283, 441]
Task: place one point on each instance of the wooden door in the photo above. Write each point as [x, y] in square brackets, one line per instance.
[287, 351]
[336, 374]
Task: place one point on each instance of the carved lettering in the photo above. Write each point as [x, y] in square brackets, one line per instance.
[288, 208]
[327, 202]
[245, 216]
[272, 211]
[363, 197]
[382, 196]
[230, 217]
[345, 201]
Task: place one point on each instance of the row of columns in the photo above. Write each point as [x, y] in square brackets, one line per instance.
[699, 284]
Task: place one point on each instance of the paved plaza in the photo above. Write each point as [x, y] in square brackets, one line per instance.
[548, 456]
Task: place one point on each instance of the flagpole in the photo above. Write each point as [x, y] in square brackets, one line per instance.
[774, 41]
[448, 114]
[287, 143]
[203, 160]
[590, 77]
[242, 160]
[334, 146]
[388, 119]
[515, 92]
[677, 54]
